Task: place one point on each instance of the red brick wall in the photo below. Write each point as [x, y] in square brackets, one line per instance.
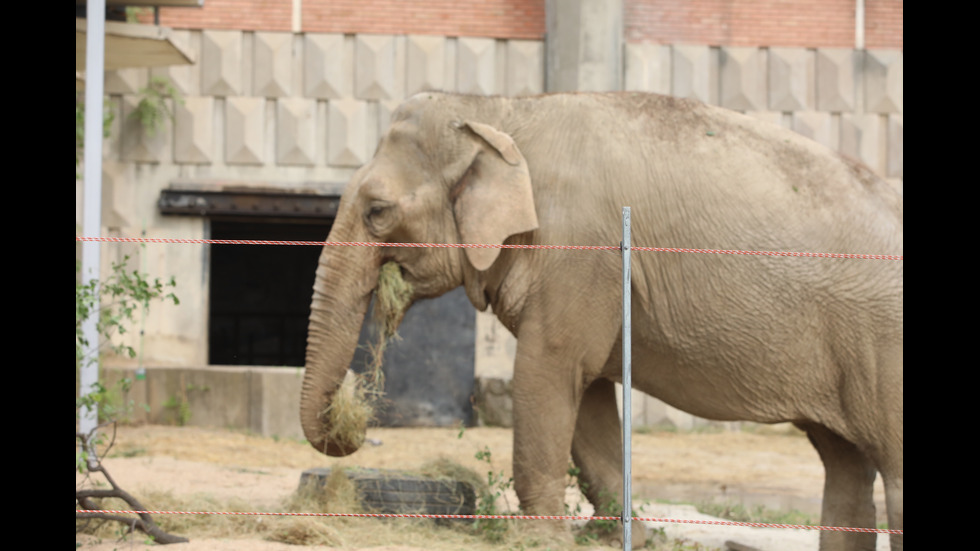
[884, 24]
[800, 23]
[488, 18]
[258, 15]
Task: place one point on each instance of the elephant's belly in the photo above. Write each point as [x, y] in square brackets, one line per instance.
[713, 390]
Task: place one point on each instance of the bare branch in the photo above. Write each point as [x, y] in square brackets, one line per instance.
[85, 499]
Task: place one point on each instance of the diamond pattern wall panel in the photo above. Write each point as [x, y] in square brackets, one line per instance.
[221, 63]
[525, 67]
[742, 75]
[328, 66]
[647, 68]
[694, 73]
[296, 131]
[896, 147]
[426, 67]
[884, 76]
[835, 70]
[385, 110]
[816, 125]
[862, 137]
[273, 64]
[137, 145]
[186, 79]
[245, 123]
[124, 81]
[476, 69]
[348, 133]
[193, 131]
[790, 79]
[378, 67]
[119, 209]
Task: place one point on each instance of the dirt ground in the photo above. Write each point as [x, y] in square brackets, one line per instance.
[171, 468]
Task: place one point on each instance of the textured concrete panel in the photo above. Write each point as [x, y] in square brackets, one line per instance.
[186, 79]
[862, 137]
[742, 72]
[273, 65]
[193, 135]
[525, 67]
[385, 110]
[791, 85]
[584, 43]
[377, 73]
[295, 131]
[884, 78]
[124, 81]
[328, 66]
[137, 145]
[693, 73]
[817, 126]
[425, 63]
[221, 63]
[895, 167]
[476, 67]
[647, 68]
[118, 196]
[495, 348]
[245, 130]
[347, 138]
[835, 70]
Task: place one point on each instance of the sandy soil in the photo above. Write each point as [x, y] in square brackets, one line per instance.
[216, 469]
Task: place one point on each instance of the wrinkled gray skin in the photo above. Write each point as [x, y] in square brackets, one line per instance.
[814, 341]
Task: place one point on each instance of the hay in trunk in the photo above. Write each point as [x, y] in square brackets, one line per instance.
[392, 298]
[352, 408]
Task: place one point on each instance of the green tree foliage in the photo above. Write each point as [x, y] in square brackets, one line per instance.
[117, 301]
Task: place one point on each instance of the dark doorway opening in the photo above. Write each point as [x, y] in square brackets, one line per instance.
[260, 294]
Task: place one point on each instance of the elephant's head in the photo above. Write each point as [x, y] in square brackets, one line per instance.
[441, 174]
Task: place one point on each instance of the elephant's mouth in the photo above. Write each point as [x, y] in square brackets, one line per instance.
[393, 296]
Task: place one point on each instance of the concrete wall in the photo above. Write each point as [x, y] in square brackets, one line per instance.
[263, 400]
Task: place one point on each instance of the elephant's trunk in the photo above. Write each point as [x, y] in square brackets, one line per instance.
[345, 278]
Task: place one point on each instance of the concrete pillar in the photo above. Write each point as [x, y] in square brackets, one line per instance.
[584, 44]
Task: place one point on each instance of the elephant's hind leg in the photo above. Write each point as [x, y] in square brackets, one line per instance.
[848, 493]
[597, 450]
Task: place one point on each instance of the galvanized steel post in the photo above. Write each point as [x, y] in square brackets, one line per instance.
[627, 387]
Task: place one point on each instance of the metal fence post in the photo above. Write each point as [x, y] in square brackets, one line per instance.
[627, 387]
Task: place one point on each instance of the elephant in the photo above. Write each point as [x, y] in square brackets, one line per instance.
[765, 338]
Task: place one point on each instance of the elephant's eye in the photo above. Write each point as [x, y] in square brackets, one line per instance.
[378, 216]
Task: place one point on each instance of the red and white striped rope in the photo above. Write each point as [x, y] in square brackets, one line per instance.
[483, 246]
[504, 517]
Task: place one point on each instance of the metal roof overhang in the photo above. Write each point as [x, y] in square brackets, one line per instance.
[248, 203]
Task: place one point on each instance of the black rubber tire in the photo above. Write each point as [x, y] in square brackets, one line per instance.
[396, 492]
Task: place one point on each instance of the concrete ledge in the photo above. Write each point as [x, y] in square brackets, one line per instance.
[263, 400]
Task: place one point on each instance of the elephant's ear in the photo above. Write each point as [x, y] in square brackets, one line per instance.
[493, 198]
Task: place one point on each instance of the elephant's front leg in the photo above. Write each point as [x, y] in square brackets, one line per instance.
[597, 449]
[544, 421]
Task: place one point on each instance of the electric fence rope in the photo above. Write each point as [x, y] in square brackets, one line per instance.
[484, 246]
[505, 517]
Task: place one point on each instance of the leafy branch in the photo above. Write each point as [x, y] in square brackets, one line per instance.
[153, 110]
[122, 295]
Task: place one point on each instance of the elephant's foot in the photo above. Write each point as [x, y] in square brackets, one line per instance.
[545, 534]
[610, 532]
